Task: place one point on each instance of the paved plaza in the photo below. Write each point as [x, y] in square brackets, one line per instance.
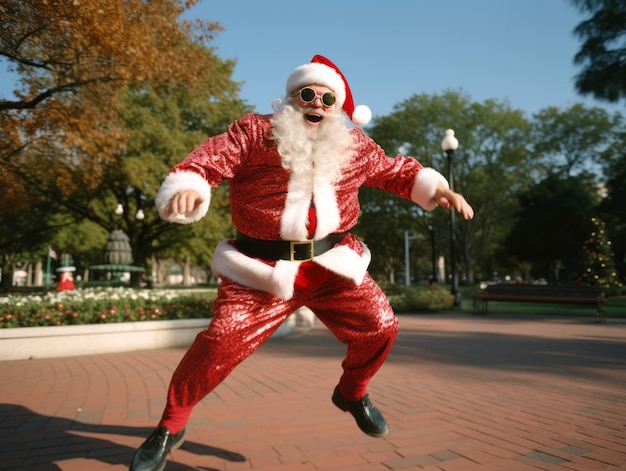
[459, 392]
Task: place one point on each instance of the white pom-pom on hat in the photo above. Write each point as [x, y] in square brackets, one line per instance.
[323, 72]
[361, 115]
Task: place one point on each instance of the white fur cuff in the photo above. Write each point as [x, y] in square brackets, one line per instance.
[176, 182]
[424, 187]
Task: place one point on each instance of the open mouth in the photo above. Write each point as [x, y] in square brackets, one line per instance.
[313, 118]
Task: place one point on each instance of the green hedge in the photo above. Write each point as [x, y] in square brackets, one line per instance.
[423, 298]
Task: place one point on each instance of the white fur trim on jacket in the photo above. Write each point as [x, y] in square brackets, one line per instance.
[279, 279]
[424, 187]
[176, 182]
[325, 198]
[346, 262]
[301, 188]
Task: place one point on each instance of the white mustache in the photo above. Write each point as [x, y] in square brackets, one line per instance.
[316, 111]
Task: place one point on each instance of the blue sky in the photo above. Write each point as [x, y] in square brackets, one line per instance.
[521, 51]
[516, 50]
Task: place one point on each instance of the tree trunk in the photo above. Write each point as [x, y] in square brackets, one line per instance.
[6, 282]
[187, 272]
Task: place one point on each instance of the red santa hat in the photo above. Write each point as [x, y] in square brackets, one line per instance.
[323, 72]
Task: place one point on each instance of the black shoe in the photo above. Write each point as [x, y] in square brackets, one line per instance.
[152, 454]
[368, 418]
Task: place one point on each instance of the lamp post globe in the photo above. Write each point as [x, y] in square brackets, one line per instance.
[449, 144]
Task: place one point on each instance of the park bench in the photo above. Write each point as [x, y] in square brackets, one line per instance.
[518, 292]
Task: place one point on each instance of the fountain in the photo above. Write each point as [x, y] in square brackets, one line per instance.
[118, 258]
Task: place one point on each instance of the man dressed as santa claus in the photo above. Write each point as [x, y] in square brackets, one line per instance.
[294, 181]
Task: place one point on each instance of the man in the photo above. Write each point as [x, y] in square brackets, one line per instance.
[294, 180]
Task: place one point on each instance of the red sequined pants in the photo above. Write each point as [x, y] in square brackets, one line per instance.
[244, 318]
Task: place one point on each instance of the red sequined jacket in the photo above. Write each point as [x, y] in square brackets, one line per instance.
[269, 202]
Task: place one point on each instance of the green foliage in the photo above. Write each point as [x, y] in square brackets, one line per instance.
[384, 218]
[72, 192]
[100, 306]
[612, 207]
[570, 140]
[167, 123]
[551, 225]
[492, 163]
[603, 52]
[432, 298]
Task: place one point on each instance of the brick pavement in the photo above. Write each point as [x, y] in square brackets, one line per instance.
[459, 393]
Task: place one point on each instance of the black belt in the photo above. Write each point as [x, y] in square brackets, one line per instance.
[295, 251]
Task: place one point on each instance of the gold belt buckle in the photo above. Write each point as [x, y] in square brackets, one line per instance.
[292, 250]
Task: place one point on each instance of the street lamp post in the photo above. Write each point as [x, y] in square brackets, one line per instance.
[432, 231]
[407, 270]
[449, 145]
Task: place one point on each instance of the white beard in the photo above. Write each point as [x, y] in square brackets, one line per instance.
[323, 150]
[315, 157]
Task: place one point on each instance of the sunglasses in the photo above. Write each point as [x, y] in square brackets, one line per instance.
[308, 95]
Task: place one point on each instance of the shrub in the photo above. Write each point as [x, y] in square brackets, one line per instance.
[102, 305]
[431, 298]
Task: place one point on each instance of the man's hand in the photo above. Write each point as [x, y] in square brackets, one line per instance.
[182, 203]
[446, 198]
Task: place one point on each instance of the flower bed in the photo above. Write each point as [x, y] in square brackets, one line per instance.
[107, 320]
[114, 305]
[103, 306]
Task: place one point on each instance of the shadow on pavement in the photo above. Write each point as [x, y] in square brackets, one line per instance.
[595, 356]
[29, 440]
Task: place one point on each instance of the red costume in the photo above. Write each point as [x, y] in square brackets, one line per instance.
[294, 182]
[256, 296]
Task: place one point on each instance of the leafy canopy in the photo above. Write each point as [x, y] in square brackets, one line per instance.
[603, 51]
[72, 58]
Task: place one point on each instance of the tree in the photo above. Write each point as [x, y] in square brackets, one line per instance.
[97, 122]
[163, 126]
[603, 51]
[600, 259]
[384, 218]
[551, 225]
[612, 208]
[24, 235]
[492, 163]
[73, 59]
[166, 124]
[573, 139]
